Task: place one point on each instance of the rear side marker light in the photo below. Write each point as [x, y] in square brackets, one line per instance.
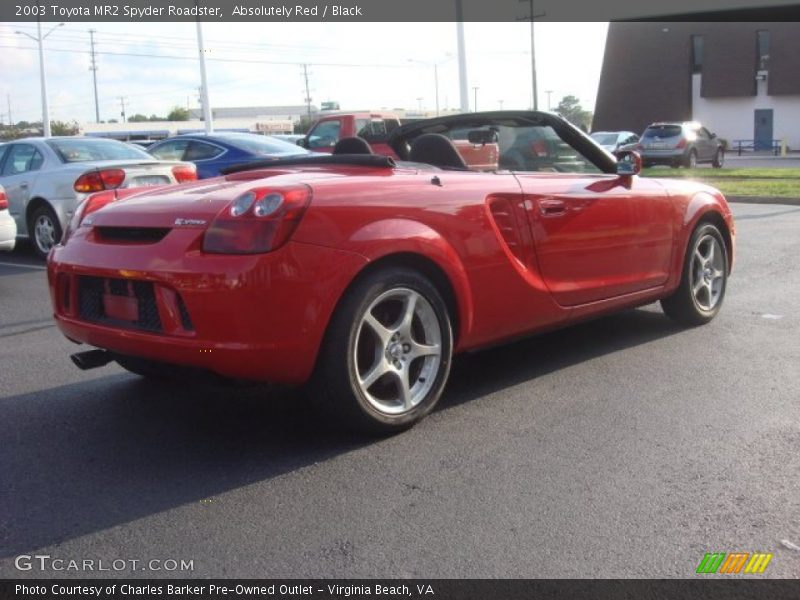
[3, 200]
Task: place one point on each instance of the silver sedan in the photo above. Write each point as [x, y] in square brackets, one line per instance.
[46, 178]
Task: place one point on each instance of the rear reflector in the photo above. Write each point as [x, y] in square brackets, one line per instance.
[3, 200]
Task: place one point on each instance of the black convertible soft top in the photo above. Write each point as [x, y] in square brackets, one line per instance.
[359, 160]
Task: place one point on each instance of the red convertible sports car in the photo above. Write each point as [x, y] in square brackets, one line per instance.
[361, 276]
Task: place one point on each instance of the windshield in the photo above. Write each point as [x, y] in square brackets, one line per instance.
[263, 145]
[74, 150]
[605, 139]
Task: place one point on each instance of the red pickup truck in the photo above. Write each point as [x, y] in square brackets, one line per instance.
[375, 128]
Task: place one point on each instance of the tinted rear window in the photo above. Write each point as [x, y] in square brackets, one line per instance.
[82, 150]
[662, 131]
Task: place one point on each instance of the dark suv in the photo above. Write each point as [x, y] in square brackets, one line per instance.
[677, 144]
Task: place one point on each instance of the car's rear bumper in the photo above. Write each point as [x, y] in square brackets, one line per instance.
[257, 317]
[663, 157]
[8, 231]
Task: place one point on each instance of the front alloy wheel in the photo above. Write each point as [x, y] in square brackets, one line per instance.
[386, 355]
[703, 279]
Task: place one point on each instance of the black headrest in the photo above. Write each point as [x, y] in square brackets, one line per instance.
[352, 145]
[436, 149]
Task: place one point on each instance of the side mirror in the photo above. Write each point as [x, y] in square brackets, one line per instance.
[629, 163]
[302, 142]
[713, 135]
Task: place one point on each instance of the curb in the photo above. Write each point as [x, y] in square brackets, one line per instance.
[764, 200]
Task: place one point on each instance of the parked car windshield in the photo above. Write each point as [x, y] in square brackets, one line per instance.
[662, 131]
[261, 144]
[73, 150]
[605, 139]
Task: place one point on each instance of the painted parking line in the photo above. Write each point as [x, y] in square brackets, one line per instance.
[23, 266]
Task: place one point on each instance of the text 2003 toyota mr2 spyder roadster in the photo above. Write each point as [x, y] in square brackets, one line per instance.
[362, 276]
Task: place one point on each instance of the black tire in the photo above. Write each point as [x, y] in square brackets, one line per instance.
[719, 159]
[353, 350]
[691, 159]
[44, 230]
[699, 297]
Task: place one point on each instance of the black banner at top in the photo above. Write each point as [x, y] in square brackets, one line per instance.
[132, 11]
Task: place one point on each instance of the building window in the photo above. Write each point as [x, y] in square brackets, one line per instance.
[697, 53]
[762, 50]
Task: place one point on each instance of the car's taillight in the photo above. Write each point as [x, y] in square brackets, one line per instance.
[3, 200]
[681, 143]
[258, 221]
[97, 181]
[184, 173]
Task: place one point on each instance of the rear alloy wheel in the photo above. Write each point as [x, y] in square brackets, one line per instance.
[719, 159]
[45, 230]
[691, 160]
[703, 280]
[387, 353]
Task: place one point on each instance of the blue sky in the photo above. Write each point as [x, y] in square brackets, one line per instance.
[364, 65]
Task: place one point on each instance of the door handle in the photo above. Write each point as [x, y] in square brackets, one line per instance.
[24, 185]
[552, 208]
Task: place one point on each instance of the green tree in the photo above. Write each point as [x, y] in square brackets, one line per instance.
[303, 125]
[64, 128]
[570, 108]
[137, 118]
[178, 114]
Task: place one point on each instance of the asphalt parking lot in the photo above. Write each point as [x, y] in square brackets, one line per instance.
[624, 447]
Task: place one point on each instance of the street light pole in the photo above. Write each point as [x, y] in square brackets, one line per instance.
[475, 89]
[436, 84]
[533, 17]
[207, 115]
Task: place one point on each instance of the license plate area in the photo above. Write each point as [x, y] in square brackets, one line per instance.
[147, 180]
[121, 308]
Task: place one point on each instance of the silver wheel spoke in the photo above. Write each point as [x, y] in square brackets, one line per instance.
[378, 371]
[710, 255]
[383, 333]
[403, 389]
[699, 256]
[408, 315]
[418, 350]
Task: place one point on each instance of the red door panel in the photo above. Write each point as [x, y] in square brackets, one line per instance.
[595, 238]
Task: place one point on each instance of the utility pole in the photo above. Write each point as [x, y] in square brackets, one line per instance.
[548, 92]
[308, 92]
[39, 39]
[10, 121]
[475, 89]
[122, 105]
[93, 69]
[532, 18]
